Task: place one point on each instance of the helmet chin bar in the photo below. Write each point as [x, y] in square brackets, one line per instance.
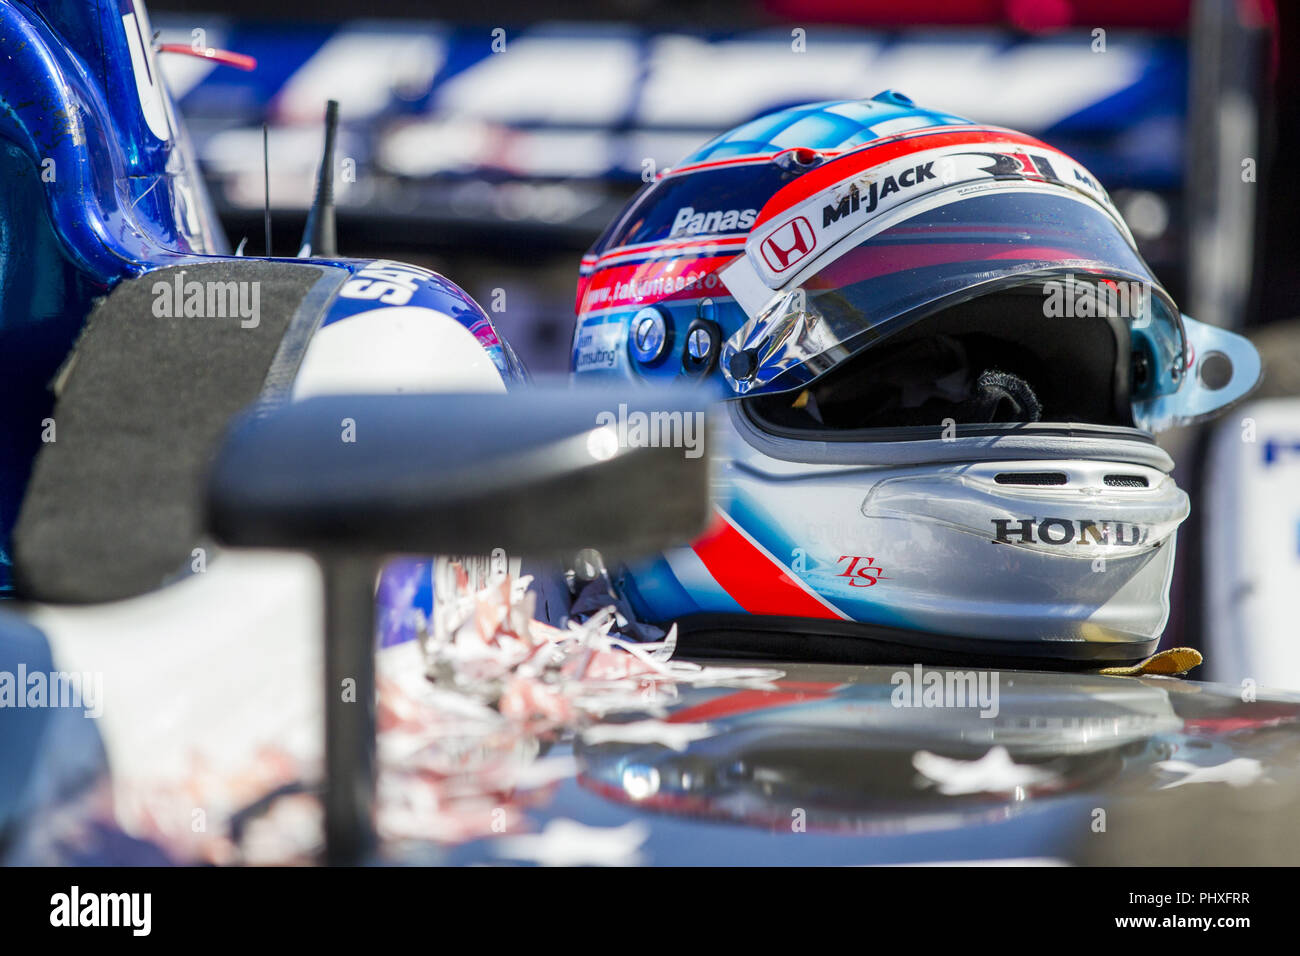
[1071, 554]
[1071, 509]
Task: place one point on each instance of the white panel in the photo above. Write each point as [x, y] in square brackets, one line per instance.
[693, 82]
[395, 350]
[1251, 556]
[207, 669]
[362, 70]
[587, 80]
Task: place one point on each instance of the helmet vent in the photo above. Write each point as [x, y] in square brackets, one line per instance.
[1125, 481]
[1031, 478]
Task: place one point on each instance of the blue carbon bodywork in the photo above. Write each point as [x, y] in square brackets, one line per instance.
[122, 199]
[98, 184]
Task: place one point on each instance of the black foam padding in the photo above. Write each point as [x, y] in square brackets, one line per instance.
[113, 507]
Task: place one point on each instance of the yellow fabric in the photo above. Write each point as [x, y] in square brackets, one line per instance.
[1176, 660]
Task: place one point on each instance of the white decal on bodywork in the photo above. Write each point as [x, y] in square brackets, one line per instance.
[396, 350]
[147, 85]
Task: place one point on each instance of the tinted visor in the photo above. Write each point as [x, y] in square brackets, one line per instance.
[946, 252]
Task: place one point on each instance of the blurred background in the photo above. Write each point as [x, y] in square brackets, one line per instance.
[494, 141]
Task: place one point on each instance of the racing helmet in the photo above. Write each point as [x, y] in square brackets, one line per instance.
[942, 361]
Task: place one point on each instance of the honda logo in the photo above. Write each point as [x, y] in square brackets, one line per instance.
[789, 244]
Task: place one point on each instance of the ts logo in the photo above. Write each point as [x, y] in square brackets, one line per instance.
[789, 244]
[861, 572]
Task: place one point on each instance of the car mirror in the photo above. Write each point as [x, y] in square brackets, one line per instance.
[536, 472]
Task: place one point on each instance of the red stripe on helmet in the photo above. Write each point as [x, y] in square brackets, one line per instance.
[756, 580]
[824, 177]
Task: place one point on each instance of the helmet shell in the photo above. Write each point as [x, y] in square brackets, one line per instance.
[1055, 541]
[661, 255]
